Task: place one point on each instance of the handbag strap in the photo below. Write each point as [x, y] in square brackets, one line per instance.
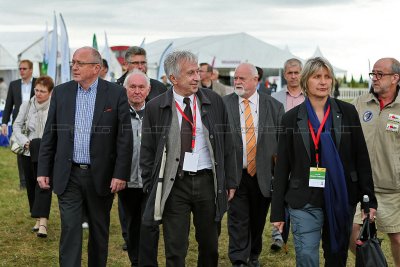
[25, 128]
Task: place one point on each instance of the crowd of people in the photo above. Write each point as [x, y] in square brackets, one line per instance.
[187, 147]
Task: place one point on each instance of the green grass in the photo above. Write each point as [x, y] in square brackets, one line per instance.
[20, 247]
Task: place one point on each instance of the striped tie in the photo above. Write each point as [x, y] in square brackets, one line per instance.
[250, 139]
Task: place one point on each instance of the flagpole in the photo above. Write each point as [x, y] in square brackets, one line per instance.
[52, 66]
[65, 52]
[162, 59]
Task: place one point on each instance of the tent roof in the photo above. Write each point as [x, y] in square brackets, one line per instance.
[229, 50]
[7, 62]
[336, 70]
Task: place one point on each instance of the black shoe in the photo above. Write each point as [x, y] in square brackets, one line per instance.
[254, 263]
[277, 245]
[124, 246]
[239, 265]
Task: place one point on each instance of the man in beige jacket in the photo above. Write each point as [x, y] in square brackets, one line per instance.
[379, 113]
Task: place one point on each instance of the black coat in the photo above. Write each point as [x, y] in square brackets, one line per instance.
[14, 100]
[155, 130]
[296, 154]
[110, 142]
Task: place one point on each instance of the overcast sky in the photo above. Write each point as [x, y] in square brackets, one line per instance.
[348, 32]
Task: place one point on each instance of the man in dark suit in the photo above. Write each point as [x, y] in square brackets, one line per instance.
[135, 58]
[20, 90]
[254, 118]
[86, 150]
[187, 161]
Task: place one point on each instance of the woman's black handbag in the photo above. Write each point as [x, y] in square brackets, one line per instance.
[368, 250]
[34, 146]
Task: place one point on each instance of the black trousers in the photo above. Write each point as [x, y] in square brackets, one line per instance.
[30, 179]
[42, 204]
[142, 240]
[21, 175]
[246, 220]
[79, 192]
[191, 194]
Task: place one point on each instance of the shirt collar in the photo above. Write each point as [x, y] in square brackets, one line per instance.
[178, 98]
[252, 99]
[30, 81]
[92, 86]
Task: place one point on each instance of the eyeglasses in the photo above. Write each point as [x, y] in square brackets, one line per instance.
[81, 64]
[23, 68]
[379, 75]
[137, 63]
[40, 91]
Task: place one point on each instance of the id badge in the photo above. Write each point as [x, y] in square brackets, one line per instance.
[317, 177]
[190, 162]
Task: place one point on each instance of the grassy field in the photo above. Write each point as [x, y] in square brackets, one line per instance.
[20, 247]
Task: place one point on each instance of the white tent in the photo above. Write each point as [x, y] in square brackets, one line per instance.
[8, 65]
[336, 70]
[227, 51]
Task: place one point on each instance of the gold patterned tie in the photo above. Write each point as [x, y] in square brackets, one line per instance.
[250, 139]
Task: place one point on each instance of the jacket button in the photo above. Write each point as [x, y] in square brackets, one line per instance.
[172, 179]
[211, 136]
[219, 191]
[177, 159]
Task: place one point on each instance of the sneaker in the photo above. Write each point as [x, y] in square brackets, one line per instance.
[85, 225]
[277, 245]
[124, 246]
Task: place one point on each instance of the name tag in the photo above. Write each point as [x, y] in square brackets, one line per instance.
[394, 117]
[392, 127]
[190, 162]
[317, 177]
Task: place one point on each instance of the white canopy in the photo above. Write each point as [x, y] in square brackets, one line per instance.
[227, 50]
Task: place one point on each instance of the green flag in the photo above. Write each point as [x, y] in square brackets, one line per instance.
[94, 45]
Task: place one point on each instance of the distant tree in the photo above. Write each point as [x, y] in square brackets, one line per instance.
[361, 79]
[352, 82]
[344, 79]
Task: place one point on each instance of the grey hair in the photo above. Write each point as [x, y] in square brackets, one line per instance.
[134, 51]
[395, 65]
[173, 61]
[136, 72]
[313, 65]
[292, 62]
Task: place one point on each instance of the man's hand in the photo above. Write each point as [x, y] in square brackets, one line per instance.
[44, 182]
[372, 214]
[117, 185]
[4, 129]
[231, 193]
[279, 226]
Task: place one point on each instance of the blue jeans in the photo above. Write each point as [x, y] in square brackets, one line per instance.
[308, 227]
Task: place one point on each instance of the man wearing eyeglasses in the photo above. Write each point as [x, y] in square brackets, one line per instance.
[135, 58]
[86, 151]
[20, 90]
[379, 113]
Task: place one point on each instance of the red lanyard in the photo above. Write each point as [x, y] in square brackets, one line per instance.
[187, 119]
[316, 138]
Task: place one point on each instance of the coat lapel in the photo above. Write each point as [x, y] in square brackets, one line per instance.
[100, 103]
[235, 112]
[70, 111]
[337, 122]
[302, 122]
[263, 112]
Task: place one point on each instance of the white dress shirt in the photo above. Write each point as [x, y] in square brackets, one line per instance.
[200, 147]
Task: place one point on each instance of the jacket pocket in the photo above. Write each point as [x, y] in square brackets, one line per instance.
[354, 176]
